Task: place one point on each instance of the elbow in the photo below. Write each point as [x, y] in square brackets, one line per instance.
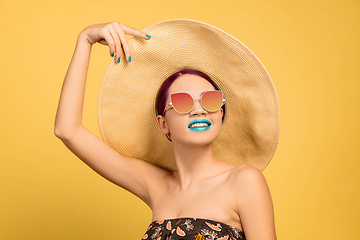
[66, 131]
[59, 133]
[63, 134]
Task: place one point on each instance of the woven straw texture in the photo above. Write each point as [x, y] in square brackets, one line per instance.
[126, 104]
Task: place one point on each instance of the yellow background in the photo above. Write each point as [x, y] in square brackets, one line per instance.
[311, 50]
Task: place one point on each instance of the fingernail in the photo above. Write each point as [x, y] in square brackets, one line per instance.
[129, 59]
[112, 55]
[118, 60]
[148, 36]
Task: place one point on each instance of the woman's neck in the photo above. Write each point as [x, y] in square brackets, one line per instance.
[196, 163]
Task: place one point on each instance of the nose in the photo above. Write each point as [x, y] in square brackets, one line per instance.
[198, 109]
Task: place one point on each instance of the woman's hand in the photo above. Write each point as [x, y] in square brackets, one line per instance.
[113, 35]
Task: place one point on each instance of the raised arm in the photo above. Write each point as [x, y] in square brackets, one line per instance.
[131, 174]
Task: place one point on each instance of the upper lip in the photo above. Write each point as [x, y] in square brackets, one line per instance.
[199, 121]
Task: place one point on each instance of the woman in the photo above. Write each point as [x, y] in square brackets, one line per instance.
[204, 197]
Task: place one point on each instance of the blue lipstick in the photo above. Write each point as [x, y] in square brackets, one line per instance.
[199, 128]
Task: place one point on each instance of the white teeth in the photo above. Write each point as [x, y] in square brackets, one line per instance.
[199, 125]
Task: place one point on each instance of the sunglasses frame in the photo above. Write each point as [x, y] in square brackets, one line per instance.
[197, 99]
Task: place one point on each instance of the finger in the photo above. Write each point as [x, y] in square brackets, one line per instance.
[114, 33]
[124, 41]
[105, 34]
[134, 32]
[103, 42]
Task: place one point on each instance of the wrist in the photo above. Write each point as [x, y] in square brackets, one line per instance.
[83, 38]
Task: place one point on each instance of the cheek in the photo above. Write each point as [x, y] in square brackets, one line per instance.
[217, 118]
[217, 115]
[175, 123]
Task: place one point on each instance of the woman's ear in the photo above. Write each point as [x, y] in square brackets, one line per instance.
[162, 124]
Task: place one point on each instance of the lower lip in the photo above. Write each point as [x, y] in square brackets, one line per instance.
[200, 128]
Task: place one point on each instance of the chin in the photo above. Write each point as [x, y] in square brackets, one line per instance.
[198, 141]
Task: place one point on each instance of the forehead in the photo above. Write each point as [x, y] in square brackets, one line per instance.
[190, 83]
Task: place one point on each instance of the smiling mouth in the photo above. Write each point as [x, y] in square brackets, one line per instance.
[199, 125]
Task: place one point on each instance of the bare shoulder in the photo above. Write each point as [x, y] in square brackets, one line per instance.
[253, 203]
[247, 175]
[249, 183]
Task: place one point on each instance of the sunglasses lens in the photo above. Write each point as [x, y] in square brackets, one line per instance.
[212, 100]
[182, 102]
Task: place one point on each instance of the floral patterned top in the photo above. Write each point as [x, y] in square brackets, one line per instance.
[191, 228]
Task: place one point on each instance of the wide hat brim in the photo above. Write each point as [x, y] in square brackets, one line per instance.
[126, 104]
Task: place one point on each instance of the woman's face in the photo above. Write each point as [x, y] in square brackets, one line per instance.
[178, 124]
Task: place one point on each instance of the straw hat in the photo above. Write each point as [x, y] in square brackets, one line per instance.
[126, 104]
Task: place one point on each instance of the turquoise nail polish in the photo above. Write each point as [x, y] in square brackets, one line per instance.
[129, 59]
[112, 55]
[148, 36]
[118, 60]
